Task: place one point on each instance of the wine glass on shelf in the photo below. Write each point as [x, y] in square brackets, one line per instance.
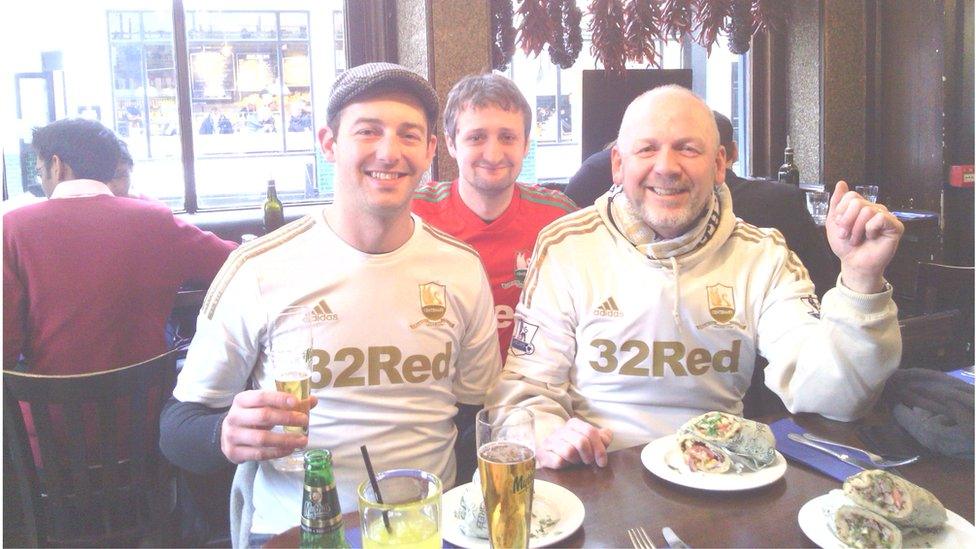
[506, 468]
[289, 354]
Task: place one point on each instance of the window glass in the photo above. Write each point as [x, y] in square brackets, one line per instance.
[556, 93]
[70, 59]
[258, 75]
[254, 98]
[143, 92]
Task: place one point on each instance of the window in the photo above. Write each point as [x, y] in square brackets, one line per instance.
[258, 74]
[555, 93]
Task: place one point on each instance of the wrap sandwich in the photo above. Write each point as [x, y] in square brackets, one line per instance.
[903, 503]
[715, 442]
[862, 529]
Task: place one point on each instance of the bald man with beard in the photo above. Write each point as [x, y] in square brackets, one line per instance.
[650, 307]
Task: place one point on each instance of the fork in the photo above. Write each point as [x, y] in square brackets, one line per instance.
[639, 538]
[872, 457]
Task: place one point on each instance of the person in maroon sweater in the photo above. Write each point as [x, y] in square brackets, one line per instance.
[89, 278]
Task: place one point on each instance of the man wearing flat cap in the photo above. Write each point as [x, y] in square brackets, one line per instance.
[403, 327]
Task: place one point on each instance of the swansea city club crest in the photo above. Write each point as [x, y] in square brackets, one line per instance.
[721, 302]
[521, 268]
[433, 304]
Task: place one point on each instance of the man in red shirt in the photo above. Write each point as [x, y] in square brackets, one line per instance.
[487, 123]
[89, 278]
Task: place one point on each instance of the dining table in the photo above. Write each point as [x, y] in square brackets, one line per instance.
[625, 495]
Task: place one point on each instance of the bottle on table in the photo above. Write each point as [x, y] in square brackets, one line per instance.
[321, 516]
[274, 211]
[788, 172]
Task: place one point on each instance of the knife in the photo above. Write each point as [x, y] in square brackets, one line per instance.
[859, 463]
[674, 542]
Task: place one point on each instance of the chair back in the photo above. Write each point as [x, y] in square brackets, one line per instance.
[85, 452]
[929, 341]
[941, 287]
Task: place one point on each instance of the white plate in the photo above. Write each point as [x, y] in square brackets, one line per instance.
[564, 504]
[663, 458]
[957, 532]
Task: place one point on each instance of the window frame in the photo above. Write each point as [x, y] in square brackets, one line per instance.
[367, 33]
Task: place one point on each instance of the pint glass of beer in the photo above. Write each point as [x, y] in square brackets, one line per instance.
[289, 352]
[506, 465]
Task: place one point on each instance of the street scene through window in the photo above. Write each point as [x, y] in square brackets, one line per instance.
[257, 75]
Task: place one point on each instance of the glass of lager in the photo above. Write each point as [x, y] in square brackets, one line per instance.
[506, 467]
[410, 515]
[289, 353]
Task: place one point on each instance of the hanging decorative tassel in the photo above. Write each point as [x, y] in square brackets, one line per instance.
[534, 31]
[767, 15]
[567, 35]
[676, 18]
[740, 26]
[710, 21]
[643, 30]
[606, 26]
[503, 34]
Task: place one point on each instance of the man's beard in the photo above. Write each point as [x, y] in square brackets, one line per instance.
[684, 219]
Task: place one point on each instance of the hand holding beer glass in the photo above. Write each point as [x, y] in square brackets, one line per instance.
[506, 465]
[289, 356]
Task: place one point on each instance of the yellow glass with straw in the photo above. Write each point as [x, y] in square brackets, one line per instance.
[400, 508]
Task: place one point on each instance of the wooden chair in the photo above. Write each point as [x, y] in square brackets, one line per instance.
[930, 341]
[942, 287]
[91, 472]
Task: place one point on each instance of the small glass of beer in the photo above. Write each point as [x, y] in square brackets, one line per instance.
[289, 353]
[410, 515]
[506, 465]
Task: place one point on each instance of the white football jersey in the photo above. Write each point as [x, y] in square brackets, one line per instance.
[399, 339]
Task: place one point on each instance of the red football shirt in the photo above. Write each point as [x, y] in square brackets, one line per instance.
[505, 244]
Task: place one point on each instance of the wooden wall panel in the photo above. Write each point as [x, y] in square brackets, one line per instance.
[911, 102]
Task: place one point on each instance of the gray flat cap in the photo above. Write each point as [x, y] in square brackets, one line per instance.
[371, 78]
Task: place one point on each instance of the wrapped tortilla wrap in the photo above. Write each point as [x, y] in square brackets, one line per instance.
[703, 456]
[860, 528]
[744, 442]
[903, 503]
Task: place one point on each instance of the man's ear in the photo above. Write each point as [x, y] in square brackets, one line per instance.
[616, 165]
[451, 149]
[432, 148]
[327, 142]
[60, 171]
[720, 166]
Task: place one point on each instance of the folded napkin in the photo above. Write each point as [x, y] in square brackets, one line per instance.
[809, 456]
[958, 374]
[937, 410]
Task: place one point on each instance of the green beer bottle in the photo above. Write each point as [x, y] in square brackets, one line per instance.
[274, 211]
[321, 517]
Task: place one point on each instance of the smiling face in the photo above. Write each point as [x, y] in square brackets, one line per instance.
[381, 150]
[489, 146]
[668, 159]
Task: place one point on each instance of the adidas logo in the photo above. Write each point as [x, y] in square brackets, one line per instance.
[322, 312]
[608, 308]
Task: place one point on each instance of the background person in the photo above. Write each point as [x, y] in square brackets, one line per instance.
[487, 122]
[216, 122]
[89, 279]
[649, 307]
[387, 373]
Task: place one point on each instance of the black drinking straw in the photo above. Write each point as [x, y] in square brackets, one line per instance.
[376, 486]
